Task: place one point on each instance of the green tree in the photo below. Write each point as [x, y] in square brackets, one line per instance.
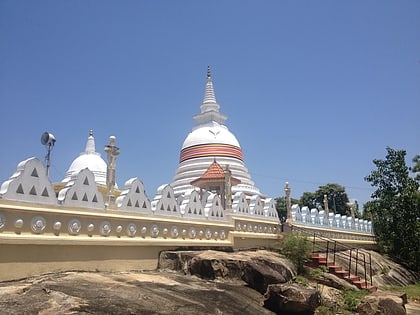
[281, 206]
[395, 208]
[416, 168]
[337, 198]
[368, 209]
[308, 199]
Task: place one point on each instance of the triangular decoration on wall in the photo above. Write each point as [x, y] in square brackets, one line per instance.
[34, 173]
[74, 197]
[137, 205]
[129, 203]
[86, 181]
[161, 207]
[45, 193]
[137, 190]
[33, 191]
[85, 198]
[144, 205]
[169, 195]
[19, 190]
[95, 199]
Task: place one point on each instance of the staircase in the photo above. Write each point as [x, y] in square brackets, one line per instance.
[318, 259]
[341, 260]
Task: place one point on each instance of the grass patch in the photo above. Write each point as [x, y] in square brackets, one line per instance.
[352, 298]
[301, 281]
[412, 290]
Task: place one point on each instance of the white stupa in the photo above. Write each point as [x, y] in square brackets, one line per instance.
[89, 159]
[208, 141]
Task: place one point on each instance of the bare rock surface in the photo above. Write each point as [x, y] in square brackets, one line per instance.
[257, 268]
[127, 293]
[382, 303]
[292, 298]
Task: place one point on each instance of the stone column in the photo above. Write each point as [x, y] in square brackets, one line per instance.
[327, 210]
[288, 201]
[228, 189]
[112, 152]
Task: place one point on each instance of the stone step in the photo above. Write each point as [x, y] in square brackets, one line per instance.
[334, 268]
[341, 273]
[318, 259]
[352, 278]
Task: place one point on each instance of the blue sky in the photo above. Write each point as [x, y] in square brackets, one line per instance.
[313, 90]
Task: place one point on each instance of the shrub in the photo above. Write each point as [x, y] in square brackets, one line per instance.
[297, 249]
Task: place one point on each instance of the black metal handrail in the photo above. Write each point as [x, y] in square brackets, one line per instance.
[339, 249]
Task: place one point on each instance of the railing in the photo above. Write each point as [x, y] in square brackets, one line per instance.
[351, 255]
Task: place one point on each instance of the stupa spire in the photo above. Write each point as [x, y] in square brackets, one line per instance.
[209, 108]
[90, 144]
[209, 101]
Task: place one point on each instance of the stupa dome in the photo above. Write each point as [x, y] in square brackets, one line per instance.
[89, 159]
[211, 133]
[210, 140]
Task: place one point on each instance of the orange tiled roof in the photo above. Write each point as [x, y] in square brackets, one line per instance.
[215, 171]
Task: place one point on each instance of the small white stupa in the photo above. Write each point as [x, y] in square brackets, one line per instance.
[89, 159]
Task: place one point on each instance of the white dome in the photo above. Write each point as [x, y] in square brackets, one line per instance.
[211, 133]
[93, 162]
[89, 159]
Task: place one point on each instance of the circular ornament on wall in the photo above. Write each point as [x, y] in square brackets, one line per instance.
[143, 231]
[154, 231]
[174, 232]
[165, 232]
[192, 233]
[19, 223]
[105, 228]
[208, 234]
[90, 227]
[131, 229]
[57, 226]
[222, 234]
[184, 233]
[238, 226]
[74, 227]
[2, 221]
[38, 224]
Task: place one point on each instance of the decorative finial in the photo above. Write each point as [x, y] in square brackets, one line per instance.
[90, 132]
[208, 72]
